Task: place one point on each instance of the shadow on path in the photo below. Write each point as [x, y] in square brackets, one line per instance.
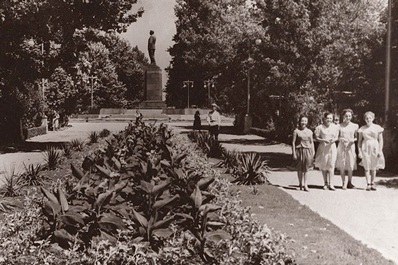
[27, 146]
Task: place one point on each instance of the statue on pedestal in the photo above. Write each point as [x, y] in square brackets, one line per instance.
[151, 47]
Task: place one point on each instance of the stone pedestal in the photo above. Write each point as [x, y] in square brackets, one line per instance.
[153, 88]
[247, 124]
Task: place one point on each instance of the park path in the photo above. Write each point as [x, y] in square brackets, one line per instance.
[370, 217]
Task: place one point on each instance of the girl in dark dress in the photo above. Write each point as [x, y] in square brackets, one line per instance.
[303, 151]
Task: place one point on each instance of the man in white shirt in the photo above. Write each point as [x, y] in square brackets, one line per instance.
[214, 120]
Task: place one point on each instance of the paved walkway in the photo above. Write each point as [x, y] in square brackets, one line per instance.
[371, 217]
[368, 216]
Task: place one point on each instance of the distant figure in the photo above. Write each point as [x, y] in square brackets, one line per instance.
[151, 46]
[214, 120]
[138, 116]
[336, 120]
[56, 121]
[197, 123]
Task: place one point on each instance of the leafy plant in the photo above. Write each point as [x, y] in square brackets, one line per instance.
[12, 183]
[229, 160]
[94, 136]
[104, 133]
[33, 175]
[77, 144]
[6, 205]
[67, 149]
[52, 156]
[251, 169]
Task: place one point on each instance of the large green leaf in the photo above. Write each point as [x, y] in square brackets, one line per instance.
[49, 195]
[76, 171]
[205, 182]
[51, 209]
[218, 235]
[163, 233]
[103, 199]
[163, 223]
[196, 196]
[72, 219]
[146, 186]
[63, 201]
[141, 219]
[62, 235]
[160, 187]
[160, 203]
[104, 171]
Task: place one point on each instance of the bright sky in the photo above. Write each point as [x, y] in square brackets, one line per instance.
[159, 17]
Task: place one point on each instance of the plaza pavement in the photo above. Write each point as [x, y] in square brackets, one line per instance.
[370, 217]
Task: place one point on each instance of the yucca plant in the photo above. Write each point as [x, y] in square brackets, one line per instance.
[251, 169]
[104, 133]
[93, 136]
[229, 160]
[33, 175]
[12, 183]
[77, 144]
[52, 156]
[67, 149]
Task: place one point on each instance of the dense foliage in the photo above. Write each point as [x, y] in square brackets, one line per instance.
[62, 49]
[309, 56]
[144, 197]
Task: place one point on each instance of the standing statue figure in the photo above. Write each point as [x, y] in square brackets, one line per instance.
[151, 46]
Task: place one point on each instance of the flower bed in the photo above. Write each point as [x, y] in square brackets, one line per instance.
[145, 197]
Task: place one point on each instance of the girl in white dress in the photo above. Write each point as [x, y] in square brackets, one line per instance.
[370, 143]
[327, 134]
[346, 157]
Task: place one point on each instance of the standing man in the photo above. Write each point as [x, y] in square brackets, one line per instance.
[151, 46]
[214, 120]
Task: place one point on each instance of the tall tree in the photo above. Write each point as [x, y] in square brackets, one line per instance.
[50, 27]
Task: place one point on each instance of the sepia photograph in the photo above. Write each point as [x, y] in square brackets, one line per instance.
[198, 132]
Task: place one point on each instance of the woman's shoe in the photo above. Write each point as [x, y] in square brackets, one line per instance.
[325, 187]
[350, 186]
[368, 187]
[372, 187]
[306, 188]
[331, 187]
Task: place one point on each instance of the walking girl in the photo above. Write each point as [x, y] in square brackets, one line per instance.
[327, 134]
[303, 151]
[370, 143]
[346, 157]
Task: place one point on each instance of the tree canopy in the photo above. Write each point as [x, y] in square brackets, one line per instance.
[310, 56]
[50, 40]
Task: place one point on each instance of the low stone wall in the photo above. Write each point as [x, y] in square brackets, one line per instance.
[35, 131]
[105, 112]
[185, 111]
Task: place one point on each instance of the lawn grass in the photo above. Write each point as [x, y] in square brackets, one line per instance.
[311, 239]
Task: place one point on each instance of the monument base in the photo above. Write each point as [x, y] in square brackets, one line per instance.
[152, 104]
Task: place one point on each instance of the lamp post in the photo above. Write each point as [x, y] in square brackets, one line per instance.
[93, 81]
[187, 84]
[208, 84]
[247, 123]
[388, 66]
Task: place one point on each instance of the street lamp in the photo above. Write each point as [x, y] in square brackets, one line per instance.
[93, 81]
[187, 84]
[208, 84]
[247, 124]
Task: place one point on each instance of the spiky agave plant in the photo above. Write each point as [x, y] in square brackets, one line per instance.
[94, 136]
[251, 169]
[67, 150]
[52, 156]
[77, 144]
[12, 182]
[33, 175]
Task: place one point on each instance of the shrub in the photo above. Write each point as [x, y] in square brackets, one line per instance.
[104, 133]
[77, 144]
[12, 183]
[52, 156]
[93, 136]
[251, 169]
[229, 160]
[33, 175]
[210, 146]
[67, 149]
